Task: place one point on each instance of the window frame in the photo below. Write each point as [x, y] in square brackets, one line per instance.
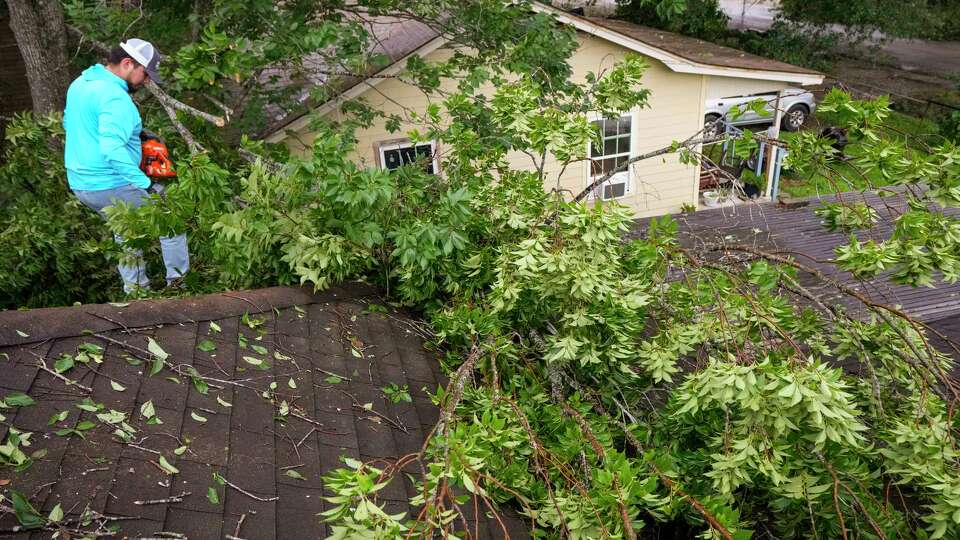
[397, 144]
[597, 193]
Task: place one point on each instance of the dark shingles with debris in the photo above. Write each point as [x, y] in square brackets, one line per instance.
[795, 230]
[315, 336]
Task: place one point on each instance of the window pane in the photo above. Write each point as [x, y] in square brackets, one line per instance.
[595, 150]
[624, 124]
[623, 146]
[611, 191]
[621, 160]
[596, 167]
[610, 128]
[391, 159]
[609, 165]
[609, 147]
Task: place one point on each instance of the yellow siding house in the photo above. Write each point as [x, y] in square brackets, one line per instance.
[684, 72]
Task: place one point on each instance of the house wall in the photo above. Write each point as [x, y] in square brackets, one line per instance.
[719, 87]
[657, 186]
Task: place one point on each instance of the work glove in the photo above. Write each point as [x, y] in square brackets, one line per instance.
[156, 187]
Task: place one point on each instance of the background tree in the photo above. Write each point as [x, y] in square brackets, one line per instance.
[42, 39]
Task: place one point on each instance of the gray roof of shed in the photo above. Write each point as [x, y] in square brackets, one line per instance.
[799, 232]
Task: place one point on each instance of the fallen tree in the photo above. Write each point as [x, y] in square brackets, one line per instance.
[592, 389]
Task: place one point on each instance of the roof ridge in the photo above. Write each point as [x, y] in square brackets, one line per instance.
[42, 324]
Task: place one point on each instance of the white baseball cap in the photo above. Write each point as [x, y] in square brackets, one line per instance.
[145, 54]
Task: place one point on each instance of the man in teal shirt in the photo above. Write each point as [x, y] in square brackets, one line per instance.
[102, 153]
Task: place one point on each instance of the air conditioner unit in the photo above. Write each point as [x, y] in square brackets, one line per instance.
[615, 187]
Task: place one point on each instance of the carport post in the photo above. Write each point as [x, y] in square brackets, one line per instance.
[774, 133]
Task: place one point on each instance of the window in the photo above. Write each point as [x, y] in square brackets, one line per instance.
[394, 155]
[612, 151]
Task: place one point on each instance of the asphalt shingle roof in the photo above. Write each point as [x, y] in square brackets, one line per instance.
[329, 355]
[795, 230]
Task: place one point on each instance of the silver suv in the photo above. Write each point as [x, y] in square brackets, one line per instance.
[797, 104]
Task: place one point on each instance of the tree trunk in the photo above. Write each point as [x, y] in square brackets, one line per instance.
[41, 36]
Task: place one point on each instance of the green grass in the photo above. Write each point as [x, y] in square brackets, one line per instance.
[843, 176]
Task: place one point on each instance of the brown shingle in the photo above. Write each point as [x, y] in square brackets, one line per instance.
[246, 442]
[697, 50]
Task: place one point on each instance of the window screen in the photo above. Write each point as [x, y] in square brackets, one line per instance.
[394, 156]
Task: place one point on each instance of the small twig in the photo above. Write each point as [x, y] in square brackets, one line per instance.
[312, 429]
[247, 493]
[173, 499]
[42, 364]
[236, 531]
[360, 407]
[131, 445]
[126, 329]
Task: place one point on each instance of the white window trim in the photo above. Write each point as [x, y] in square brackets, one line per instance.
[628, 181]
[397, 144]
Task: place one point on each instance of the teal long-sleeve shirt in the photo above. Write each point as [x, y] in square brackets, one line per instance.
[102, 125]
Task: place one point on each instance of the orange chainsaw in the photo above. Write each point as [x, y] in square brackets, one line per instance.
[155, 161]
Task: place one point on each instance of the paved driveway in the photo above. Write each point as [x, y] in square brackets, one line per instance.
[936, 57]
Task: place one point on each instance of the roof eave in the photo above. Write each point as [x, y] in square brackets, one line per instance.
[675, 62]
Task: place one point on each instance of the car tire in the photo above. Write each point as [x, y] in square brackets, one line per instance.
[710, 128]
[795, 117]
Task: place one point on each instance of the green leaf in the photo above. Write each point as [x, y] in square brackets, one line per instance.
[22, 333]
[26, 514]
[64, 363]
[58, 417]
[167, 467]
[119, 304]
[180, 450]
[259, 349]
[224, 403]
[156, 350]
[197, 417]
[207, 346]
[160, 356]
[89, 405]
[201, 385]
[333, 379]
[156, 367]
[86, 425]
[147, 410]
[468, 483]
[295, 475]
[215, 327]
[213, 496]
[18, 399]
[253, 361]
[291, 383]
[218, 479]
[56, 514]
[355, 352]
[117, 386]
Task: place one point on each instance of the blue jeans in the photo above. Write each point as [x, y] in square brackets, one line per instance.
[133, 269]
